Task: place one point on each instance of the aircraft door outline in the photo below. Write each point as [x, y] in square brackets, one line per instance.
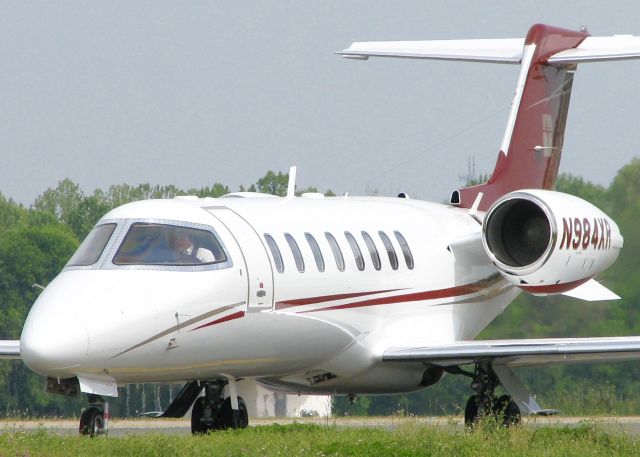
[257, 263]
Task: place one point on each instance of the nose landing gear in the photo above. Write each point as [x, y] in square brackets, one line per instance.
[94, 420]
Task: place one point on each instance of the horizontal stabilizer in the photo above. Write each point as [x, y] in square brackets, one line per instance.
[592, 290]
[501, 50]
[594, 49]
[531, 147]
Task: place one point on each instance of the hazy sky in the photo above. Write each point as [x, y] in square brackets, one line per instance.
[190, 93]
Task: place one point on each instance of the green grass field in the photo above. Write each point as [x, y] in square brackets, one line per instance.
[315, 440]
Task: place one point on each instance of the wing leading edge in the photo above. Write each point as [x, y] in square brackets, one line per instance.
[500, 356]
[521, 352]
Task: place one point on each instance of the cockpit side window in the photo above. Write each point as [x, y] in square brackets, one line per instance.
[163, 244]
[91, 248]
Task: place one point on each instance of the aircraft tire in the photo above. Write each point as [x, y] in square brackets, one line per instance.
[92, 422]
[234, 419]
[471, 412]
[243, 415]
[507, 412]
[197, 412]
[512, 415]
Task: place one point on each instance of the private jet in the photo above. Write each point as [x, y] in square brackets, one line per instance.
[341, 295]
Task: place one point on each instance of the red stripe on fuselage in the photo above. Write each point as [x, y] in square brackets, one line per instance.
[554, 288]
[418, 296]
[230, 317]
[313, 300]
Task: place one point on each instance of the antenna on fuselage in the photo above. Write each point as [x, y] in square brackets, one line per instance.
[291, 186]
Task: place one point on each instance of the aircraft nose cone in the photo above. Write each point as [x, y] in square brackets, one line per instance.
[52, 345]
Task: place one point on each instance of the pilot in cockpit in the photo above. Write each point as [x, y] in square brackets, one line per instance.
[184, 247]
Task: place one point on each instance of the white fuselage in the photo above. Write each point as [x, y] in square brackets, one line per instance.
[249, 316]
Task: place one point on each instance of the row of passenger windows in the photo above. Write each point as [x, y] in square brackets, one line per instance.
[337, 252]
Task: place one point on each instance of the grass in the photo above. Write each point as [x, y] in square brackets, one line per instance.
[315, 440]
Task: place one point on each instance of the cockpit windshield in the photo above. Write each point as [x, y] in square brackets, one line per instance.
[91, 248]
[161, 244]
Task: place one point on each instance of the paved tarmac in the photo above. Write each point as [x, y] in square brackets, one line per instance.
[121, 427]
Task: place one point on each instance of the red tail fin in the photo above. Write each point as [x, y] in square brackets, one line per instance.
[530, 153]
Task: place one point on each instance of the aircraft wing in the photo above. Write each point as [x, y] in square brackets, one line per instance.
[9, 349]
[521, 352]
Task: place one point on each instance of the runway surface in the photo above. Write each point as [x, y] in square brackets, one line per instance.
[121, 427]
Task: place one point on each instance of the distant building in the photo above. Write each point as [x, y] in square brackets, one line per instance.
[262, 402]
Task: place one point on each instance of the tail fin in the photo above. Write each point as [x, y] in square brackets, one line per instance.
[530, 153]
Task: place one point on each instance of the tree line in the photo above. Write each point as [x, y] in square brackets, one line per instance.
[573, 389]
[36, 242]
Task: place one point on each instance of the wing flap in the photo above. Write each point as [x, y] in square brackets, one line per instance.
[523, 352]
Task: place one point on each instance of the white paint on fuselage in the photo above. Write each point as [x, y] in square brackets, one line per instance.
[142, 325]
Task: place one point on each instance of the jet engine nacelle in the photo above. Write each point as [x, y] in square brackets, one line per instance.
[549, 242]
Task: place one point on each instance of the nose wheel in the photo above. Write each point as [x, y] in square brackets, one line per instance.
[94, 420]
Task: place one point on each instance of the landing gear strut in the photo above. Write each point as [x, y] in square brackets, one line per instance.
[214, 412]
[485, 403]
[95, 419]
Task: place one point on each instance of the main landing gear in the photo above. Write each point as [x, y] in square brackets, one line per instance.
[94, 420]
[214, 412]
[485, 403]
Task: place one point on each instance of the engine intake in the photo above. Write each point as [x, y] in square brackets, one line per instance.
[518, 232]
[549, 242]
